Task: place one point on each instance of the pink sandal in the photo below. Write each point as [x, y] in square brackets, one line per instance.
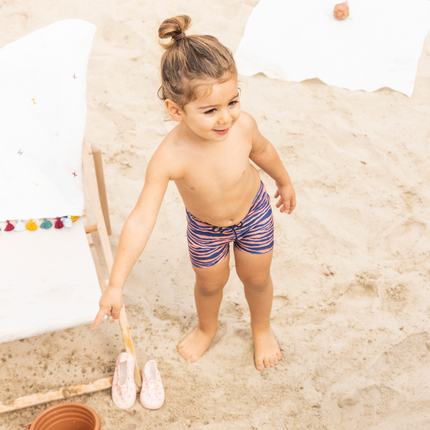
[152, 392]
[123, 386]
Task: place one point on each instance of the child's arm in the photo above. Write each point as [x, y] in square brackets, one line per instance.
[265, 156]
[134, 236]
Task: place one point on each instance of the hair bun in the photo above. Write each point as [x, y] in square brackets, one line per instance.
[173, 28]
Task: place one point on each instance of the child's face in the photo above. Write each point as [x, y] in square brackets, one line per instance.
[212, 115]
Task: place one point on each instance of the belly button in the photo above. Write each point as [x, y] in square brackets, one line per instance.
[193, 188]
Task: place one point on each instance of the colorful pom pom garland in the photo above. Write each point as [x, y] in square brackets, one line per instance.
[46, 224]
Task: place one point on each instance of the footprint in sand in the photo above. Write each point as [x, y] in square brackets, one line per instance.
[399, 364]
[357, 144]
[407, 237]
[362, 292]
[394, 388]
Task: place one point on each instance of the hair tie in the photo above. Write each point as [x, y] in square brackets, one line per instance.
[180, 36]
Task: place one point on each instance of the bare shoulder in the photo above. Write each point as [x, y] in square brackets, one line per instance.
[247, 121]
[167, 159]
[250, 127]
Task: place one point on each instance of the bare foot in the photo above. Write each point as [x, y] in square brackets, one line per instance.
[267, 351]
[195, 344]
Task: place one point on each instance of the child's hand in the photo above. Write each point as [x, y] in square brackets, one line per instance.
[287, 201]
[110, 304]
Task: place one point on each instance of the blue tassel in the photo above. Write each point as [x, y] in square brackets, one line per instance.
[46, 224]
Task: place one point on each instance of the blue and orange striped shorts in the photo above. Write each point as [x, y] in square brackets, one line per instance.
[208, 244]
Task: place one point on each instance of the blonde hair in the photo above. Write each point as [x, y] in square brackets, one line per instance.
[188, 60]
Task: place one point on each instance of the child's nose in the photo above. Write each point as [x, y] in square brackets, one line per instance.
[225, 117]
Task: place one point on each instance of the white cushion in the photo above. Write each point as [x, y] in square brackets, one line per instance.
[48, 281]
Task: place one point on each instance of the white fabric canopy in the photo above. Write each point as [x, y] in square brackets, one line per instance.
[42, 121]
[377, 46]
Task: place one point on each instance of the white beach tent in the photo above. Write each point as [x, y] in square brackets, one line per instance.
[50, 278]
[377, 46]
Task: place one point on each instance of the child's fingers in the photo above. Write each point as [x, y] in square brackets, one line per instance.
[115, 313]
[276, 194]
[293, 204]
[285, 209]
[100, 315]
[279, 203]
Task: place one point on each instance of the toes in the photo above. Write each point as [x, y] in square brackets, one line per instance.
[193, 358]
[266, 362]
[183, 354]
[259, 364]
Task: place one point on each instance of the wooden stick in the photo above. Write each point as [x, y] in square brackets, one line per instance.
[60, 394]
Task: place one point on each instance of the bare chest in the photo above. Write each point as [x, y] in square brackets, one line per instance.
[217, 170]
[218, 187]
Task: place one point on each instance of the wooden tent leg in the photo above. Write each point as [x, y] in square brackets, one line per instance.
[107, 251]
[101, 185]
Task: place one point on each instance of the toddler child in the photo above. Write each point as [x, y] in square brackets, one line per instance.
[207, 156]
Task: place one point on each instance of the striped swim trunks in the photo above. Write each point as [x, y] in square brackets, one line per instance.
[208, 244]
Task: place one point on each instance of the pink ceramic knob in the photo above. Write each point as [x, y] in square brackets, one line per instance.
[341, 11]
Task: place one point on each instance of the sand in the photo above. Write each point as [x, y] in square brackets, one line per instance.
[351, 265]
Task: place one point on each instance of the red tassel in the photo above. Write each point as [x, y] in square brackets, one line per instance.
[59, 223]
[9, 226]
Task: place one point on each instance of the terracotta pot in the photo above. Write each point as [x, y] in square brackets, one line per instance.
[67, 416]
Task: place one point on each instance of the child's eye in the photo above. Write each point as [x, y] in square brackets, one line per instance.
[210, 111]
[233, 103]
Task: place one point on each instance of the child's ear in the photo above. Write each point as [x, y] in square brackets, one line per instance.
[173, 110]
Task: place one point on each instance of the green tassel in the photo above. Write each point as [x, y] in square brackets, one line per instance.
[46, 224]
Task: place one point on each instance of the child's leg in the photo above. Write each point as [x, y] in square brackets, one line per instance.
[208, 293]
[254, 271]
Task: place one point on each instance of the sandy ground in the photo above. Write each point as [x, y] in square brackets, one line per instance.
[351, 265]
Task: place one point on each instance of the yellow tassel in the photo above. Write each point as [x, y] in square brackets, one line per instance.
[31, 225]
[74, 218]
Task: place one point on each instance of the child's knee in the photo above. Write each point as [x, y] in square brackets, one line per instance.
[257, 282]
[209, 288]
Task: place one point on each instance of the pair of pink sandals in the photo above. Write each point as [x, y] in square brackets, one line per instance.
[124, 387]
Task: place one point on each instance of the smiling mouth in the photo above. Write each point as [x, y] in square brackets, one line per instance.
[222, 131]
